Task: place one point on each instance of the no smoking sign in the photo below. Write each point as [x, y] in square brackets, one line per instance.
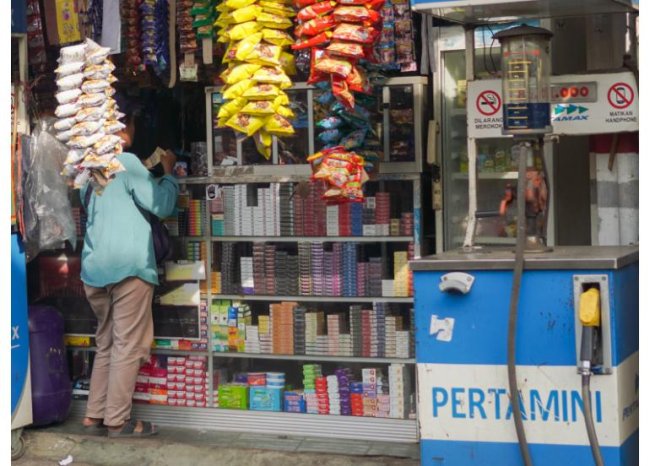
[488, 103]
[620, 95]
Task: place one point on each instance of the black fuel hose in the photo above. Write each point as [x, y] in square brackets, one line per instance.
[589, 420]
[514, 305]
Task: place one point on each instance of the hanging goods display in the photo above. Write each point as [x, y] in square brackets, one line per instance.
[257, 69]
[341, 37]
[88, 117]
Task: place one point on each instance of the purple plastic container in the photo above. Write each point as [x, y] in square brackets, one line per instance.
[51, 385]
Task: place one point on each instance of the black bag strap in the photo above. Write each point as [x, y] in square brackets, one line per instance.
[86, 200]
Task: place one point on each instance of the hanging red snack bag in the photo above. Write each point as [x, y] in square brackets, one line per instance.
[376, 5]
[333, 65]
[316, 41]
[303, 3]
[316, 76]
[353, 14]
[355, 33]
[315, 10]
[346, 49]
[357, 81]
[317, 25]
[341, 91]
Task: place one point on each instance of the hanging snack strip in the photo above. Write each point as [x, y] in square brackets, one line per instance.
[132, 35]
[186, 33]
[343, 173]
[148, 32]
[258, 69]
[87, 114]
[341, 35]
[37, 56]
[161, 40]
[404, 44]
[203, 12]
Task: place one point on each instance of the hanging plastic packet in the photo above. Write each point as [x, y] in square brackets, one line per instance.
[277, 37]
[68, 96]
[354, 140]
[67, 110]
[64, 124]
[72, 54]
[85, 128]
[246, 124]
[82, 142]
[278, 125]
[107, 143]
[315, 10]
[71, 81]
[262, 92]
[69, 68]
[331, 122]
[261, 108]
[272, 76]
[329, 136]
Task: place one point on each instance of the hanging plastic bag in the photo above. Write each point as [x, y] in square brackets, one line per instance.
[49, 222]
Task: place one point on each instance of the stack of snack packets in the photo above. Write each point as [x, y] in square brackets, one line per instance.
[88, 117]
[258, 68]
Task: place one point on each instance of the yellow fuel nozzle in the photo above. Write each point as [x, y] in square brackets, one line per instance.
[589, 311]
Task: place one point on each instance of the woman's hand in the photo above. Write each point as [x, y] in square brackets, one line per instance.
[168, 160]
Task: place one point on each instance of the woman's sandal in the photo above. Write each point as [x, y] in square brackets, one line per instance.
[96, 428]
[128, 430]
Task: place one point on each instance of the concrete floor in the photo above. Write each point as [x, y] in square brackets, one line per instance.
[193, 447]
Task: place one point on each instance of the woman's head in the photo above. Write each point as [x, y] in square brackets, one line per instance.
[126, 105]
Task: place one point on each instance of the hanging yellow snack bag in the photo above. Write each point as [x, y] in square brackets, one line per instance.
[231, 107]
[221, 7]
[262, 108]
[285, 112]
[278, 9]
[246, 46]
[243, 30]
[288, 63]
[236, 4]
[263, 142]
[231, 52]
[247, 124]
[247, 13]
[278, 125]
[264, 54]
[272, 76]
[262, 92]
[241, 72]
[282, 99]
[274, 21]
[277, 37]
[237, 90]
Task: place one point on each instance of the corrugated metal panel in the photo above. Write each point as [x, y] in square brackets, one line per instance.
[306, 425]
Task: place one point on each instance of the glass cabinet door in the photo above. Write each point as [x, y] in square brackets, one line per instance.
[401, 123]
[497, 171]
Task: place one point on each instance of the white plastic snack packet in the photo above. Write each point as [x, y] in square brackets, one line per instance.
[81, 142]
[75, 156]
[107, 144]
[113, 126]
[86, 128]
[73, 53]
[81, 179]
[69, 96]
[64, 136]
[72, 81]
[67, 110]
[92, 100]
[70, 68]
[64, 124]
[95, 85]
[91, 113]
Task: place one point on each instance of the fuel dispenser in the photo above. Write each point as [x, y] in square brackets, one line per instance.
[531, 356]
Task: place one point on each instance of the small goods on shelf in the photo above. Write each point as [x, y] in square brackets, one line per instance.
[292, 329]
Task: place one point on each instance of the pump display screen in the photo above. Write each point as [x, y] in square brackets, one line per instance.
[574, 92]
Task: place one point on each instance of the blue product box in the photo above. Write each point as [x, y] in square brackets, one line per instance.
[265, 399]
